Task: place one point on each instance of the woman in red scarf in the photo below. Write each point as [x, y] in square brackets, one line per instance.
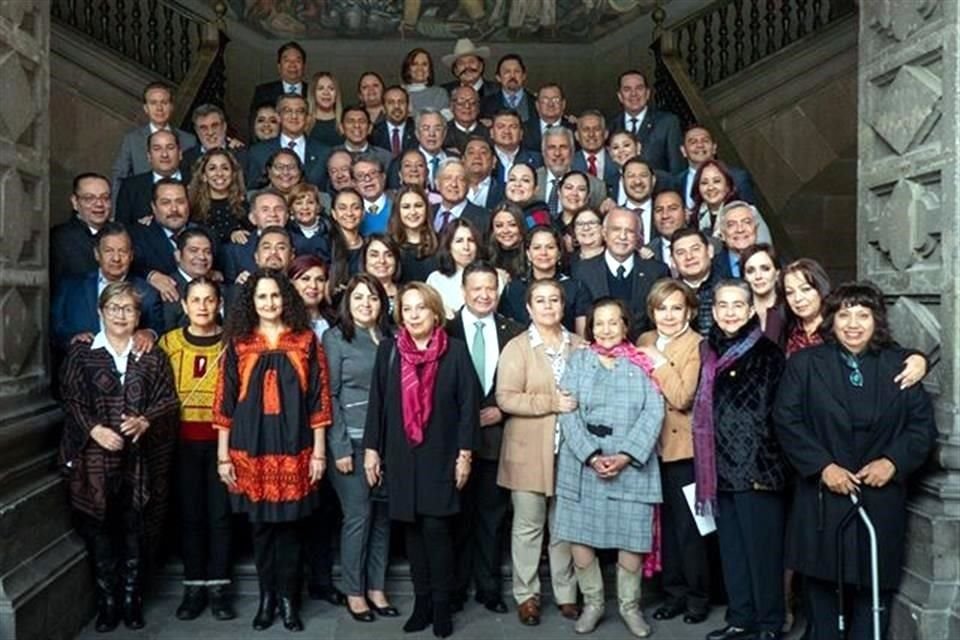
[423, 422]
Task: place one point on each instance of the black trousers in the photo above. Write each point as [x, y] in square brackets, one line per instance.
[686, 568]
[278, 553]
[477, 531]
[750, 528]
[204, 506]
[318, 534]
[430, 551]
[821, 603]
[116, 538]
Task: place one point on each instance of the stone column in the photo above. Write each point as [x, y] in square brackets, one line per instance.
[907, 226]
[44, 581]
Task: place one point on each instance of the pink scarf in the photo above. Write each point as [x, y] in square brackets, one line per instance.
[631, 353]
[418, 375]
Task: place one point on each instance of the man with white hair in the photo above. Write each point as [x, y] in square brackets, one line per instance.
[557, 148]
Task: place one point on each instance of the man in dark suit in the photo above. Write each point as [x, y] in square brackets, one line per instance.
[507, 134]
[74, 309]
[396, 131]
[136, 192]
[452, 185]
[465, 106]
[267, 210]
[620, 272]
[635, 193]
[132, 157]
[657, 131]
[293, 124]
[355, 122]
[291, 65]
[512, 76]
[194, 256]
[155, 244]
[698, 147]
[669, 216]
[551, 112]
[484, 504]
[557, 158]
[593, 158]
[72, 242]
[467, 63]
[483, 189]
[210, 125]
[693, 255]
[431, 130]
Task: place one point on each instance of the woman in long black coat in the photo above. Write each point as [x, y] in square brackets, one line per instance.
[423, 423]
[846, 426]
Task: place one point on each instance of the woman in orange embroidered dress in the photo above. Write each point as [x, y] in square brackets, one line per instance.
[272, 405]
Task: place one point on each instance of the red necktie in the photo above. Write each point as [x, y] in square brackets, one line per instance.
[592, 165]
[395, 142]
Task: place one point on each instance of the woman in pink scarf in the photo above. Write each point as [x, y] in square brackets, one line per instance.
[423, 422]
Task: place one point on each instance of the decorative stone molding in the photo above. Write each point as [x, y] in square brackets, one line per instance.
[900, 19]
[905, 111]
[903, 231]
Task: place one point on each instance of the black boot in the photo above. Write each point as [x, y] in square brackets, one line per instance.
[422, 614]
[290, 613]
[132, 594]
[108, 609]
[442, 620]
[266, 611]
[193, 603]
[220, 605]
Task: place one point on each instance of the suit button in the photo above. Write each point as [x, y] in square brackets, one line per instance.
[733, 374]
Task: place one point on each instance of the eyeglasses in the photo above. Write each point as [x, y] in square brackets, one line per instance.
[89, 198]
[363, 177]
[116, 310]
[586, 224]
[551, 100]
[285, 168]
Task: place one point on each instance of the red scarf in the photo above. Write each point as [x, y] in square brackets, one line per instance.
[418, 375]
[631, 353]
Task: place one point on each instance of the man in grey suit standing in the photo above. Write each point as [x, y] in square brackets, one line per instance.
[657, 131]
[132, 158]
[558, 158]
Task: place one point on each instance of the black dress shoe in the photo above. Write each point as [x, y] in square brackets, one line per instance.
[422, 615]
[729, 632]
[492, 602]
[193, 603]
[669, 611]
[266, 611]
[457, 601]
[327, 593]
[220, 605]
[361, 616]
[290, 614]
[692, 617]
[388, 611]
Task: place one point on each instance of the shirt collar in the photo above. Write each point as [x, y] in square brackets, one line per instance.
[176, 175]
[469, 319]
[613, 265]
[536, 339]
[285, 140]
[380, 202]
[154, 128]
[100, 342]
[640, 116]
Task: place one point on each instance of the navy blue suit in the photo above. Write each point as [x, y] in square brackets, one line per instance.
[152, 249]
[238, 258]
[524, 156]
[74, 308]
[318, 245]
[592, 272]
[380, 136]
[134, 199]
[533, 137]
[490, 104]
[477, 216]
[611, 170]
[660, 139]
[314, 167]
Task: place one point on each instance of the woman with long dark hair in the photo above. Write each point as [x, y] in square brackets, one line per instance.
[410, 228]
[380, 258]
[217, 194]
[345, 241]
[272, 406]
[505, 244]
[416, 71]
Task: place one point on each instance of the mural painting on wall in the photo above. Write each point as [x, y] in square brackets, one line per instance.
[497, 20]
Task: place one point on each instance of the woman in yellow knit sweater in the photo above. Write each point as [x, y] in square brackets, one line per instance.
[194, 353]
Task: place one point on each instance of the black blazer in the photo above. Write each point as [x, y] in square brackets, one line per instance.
[660, 139]
[268, 92]
[495, 101]
[134, 199]
[238, 258]
[173, 315]
[507, 329]
[457, 139]
[592, 272]
[813, 425]
[524, 156]
[380, 136]
[533, 137]
[314, 169]
[152, 250]
[71, 250]
[420, 480]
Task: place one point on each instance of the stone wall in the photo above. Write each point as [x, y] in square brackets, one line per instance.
[908, 220]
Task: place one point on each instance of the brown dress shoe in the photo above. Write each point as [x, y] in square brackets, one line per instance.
[529, 612]
[570, 611]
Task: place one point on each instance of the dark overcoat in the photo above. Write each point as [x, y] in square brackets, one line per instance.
[814, 427]
[420, 480]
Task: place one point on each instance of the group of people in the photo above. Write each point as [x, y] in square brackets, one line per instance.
[450, 310]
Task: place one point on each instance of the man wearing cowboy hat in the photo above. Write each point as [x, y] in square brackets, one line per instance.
[467, 64]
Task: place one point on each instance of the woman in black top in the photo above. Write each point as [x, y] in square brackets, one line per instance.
[345, 241]
[410, 228]
[326, 105]
[217, 195]
[505, 243]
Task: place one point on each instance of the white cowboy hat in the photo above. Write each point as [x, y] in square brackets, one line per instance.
[465, 47]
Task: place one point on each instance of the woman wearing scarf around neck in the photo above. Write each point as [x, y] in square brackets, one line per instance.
[739, 468]
[674, 347]
[423, 423]
[608, 479]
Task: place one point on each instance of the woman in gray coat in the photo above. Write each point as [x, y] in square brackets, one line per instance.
[607, 475]
[351, 349]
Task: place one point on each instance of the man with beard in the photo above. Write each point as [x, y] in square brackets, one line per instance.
[636, 194]
[155, 244]
[513, 95]
[396, 131]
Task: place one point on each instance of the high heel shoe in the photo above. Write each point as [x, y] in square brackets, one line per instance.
[266, 611]
[388, 611]
[290, 614]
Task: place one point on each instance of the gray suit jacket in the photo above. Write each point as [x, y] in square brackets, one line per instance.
[598, 189]
[132, 158]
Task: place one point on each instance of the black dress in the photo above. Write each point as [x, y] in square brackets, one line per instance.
[325, 132]
[414, 268]
[420, 480]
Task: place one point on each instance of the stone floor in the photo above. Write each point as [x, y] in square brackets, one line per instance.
[327, 622]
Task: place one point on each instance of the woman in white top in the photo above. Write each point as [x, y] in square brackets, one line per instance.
[459, 246]
[417, 75]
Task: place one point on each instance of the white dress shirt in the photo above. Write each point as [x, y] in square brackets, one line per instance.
[492, 349]
[299, 148]
[120, 358]
[478, 195]
[644, 211]
[291, 88]
[613, 265]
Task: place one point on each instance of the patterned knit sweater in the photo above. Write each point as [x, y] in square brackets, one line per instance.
[195, 361]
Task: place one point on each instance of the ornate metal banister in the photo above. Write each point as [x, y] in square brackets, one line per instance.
[163, 36]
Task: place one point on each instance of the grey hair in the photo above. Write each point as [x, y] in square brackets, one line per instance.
[596, 114]
[449, 162]
[418, 118]
[737, 204]
[207, 109]
[734, 283]
[557, 130]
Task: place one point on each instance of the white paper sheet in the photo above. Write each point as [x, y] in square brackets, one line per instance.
[705, 524]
